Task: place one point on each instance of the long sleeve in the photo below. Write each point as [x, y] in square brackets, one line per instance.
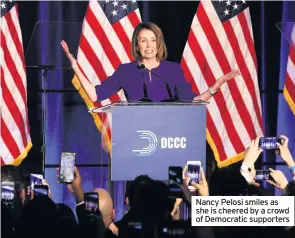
[110, 86]
[182, 87]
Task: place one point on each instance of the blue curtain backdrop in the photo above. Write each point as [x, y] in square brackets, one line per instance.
[71, 128]
[286, 119]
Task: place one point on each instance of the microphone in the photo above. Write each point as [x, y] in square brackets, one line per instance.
[145, 95]
[171, 98]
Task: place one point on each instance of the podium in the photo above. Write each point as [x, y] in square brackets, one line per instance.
[287, 30]
[147, 138]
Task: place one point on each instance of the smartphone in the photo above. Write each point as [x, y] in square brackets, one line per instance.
[175, 180]
[40, 190]
[35, 179]
[269, 143]
[67, 165]
[175, 176]
[262, 175]
[193, 172]
[91, 201]
[7, 192]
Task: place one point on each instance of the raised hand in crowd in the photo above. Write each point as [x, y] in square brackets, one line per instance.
[252, 153]
[285, 152]
[202, 187]
[184, 186]
[279, 179]
[185, 178]
[175, 212]
[31, 193]
[76, 186]
[248, 166]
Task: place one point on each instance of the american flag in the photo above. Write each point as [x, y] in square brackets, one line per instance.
[105, 43]
[289, 88]
[219, 41]
[15, 132]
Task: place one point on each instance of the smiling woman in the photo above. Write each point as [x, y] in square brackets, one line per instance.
[150, 77]
[148, 44]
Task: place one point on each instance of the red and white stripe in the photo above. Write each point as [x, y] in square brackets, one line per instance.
[15, 133]
[103, 47]
[212, 50]
[289, 89]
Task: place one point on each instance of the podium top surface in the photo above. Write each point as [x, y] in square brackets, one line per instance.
[177, 103]
[120, 104]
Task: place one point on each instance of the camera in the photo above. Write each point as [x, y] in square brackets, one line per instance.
[262, 175]
[193, 172]
[269, 143]
[67, 165]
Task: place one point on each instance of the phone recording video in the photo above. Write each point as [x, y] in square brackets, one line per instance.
[262, 175]
[7, 193]
[175, 176]
[91, 202]
[175, 181]
[40, 190]
[35, 179]
[269, 143]
[193, 172]
[67, 165]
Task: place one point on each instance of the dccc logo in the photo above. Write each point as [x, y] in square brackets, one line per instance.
[151, 137]
[166, 143]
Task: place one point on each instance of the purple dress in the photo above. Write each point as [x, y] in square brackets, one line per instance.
[130, 78]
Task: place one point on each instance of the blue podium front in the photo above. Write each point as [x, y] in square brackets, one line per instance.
[148, 138]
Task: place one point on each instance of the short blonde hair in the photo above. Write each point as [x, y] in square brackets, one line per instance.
[162, 50]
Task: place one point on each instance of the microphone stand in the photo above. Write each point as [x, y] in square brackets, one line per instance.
[171, 98]
[145, 96]
[44, 69]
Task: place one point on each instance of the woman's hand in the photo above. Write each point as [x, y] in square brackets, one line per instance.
[225, 78]
[205, 96]
[66, 49]
[85, 83]
[232, 74]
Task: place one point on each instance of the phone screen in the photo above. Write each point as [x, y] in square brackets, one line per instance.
[7, 192]
[193, 172]
[40, 190]
[35, 179]
[262, 175]
[67, 165]
[175, 177]
[91, 202]
[269, 143]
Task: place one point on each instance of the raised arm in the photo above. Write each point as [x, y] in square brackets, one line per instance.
[286, 154]
[87, 86]
[205, 96]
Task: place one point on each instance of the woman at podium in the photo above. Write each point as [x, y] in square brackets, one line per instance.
[150, 77]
